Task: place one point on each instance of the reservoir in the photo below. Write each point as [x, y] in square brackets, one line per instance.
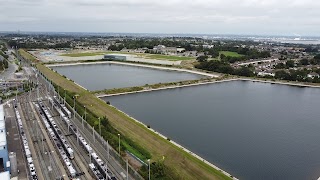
[252, 130]
[108, 76]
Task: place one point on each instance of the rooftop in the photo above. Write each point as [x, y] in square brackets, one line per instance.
[3, 140]
[5, 175]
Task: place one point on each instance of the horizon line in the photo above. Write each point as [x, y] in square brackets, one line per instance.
[159, 33]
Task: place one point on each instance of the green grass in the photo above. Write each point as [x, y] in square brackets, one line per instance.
[134, 151]
[82, 54]
[27, 55]
[147, 56]
[231, 54]
[167, 57]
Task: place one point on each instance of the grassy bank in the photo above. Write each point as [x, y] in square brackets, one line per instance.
[28, 56]
[178, 164]
[148, 87]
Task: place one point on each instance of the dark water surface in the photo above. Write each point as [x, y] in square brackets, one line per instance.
[252, 130]
[108, 76]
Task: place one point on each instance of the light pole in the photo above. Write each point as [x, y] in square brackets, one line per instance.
[74, 106]
[149, 168]
[119, 144]
[85, 115]
[65, 94]
[99, 125]
[108, 148]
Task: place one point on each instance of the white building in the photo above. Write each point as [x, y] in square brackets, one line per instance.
[4, 156]
[313, 75]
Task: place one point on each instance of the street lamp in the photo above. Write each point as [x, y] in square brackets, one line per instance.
[149, 168]
[74, 106]
[65, 94]
[85, 115]
[99, 125]
[119, 144]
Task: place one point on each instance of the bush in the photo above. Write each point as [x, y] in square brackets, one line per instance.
[107, 130]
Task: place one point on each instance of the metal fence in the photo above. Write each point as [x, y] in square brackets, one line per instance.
[99, 139]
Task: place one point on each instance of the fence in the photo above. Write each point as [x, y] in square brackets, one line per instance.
[112, 153]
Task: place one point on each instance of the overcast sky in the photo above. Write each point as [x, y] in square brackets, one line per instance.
[274, 17]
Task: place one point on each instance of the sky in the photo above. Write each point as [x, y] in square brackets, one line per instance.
[256, 17]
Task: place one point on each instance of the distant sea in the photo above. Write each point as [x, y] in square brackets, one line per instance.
[311, 42]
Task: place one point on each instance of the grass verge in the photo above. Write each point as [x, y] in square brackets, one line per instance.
[28, 56]
[148, 87]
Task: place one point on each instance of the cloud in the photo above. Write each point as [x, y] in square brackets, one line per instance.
[184, 16]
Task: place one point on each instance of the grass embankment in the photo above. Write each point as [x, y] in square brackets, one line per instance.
[28, 56]
[148, 87]
[179, 164]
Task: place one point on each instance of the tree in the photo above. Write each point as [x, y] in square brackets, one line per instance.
[280, 66]
[282, 75]
[244, 71]
[304, 62]
[315, 60]
[290, 64]
[317, 57]
[311, 49]
[104, 121]
[213, 53]
[202, 58]
[222, 56]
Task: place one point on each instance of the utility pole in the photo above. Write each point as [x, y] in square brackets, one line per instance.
[127, 170]
[99, 126]
[108, 149]
[119, 145]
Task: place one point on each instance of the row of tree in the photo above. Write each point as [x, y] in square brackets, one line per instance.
[303, 62]
[224, 67]
[314, 61]
[297, 75]
[247, 53]
[38, 45]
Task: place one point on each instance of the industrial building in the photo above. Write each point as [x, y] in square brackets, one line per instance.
[4, 157]
[114, 57]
